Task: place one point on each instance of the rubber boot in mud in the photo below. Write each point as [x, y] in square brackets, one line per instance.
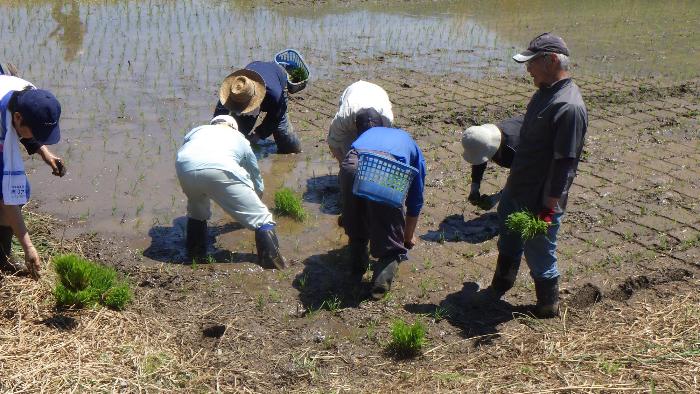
[5, 247]
[196, 241]
[6, 262]
[384, 274]
[359, 258]
[547, 291]
[287, 141]
[503, 280]
[268, 247]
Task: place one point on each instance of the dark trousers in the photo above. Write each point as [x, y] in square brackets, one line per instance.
[281, 129]
[363, 219]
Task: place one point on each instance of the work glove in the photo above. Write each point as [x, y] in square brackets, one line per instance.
[546, 214]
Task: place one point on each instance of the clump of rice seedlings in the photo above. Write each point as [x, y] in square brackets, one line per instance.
[526, 224]
[298, 74]
[288, 203]
[406, 340]
[82, 283]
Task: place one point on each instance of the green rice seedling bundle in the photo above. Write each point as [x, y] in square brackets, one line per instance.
[526, 224]
[287, 203]
[406, 340]
[82, 283]
[299, 74]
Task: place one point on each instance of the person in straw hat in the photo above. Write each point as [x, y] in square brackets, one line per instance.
[259, 87]
[216, 163]
[489, 142]
[542, 171]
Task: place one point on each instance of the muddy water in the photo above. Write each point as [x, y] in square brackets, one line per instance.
[133, 77]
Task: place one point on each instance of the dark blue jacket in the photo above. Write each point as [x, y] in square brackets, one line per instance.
[275, 102]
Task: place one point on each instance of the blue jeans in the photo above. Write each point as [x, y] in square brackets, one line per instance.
[540, 252]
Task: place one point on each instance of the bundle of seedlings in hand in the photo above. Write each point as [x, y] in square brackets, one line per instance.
[82, 283]
[298, 74]
[287, 203]
[406, 341]
[526, 224]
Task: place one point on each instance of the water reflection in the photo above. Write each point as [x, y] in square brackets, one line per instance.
[70, 31]
[134, 76]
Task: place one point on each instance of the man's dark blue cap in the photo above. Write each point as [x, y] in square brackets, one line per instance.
[545, 42]
[41, 111]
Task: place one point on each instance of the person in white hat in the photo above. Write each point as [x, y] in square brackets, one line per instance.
[359, 96]
[259, 87]
[216, 163]
[489, 142]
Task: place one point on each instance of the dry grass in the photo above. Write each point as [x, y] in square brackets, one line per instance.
[649, 344]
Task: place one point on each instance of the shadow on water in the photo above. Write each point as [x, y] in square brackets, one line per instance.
[454, 229]
[325, 191]
[168, 244]
[475, 321]
[325, 282]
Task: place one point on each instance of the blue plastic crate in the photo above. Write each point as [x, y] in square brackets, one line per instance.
[381, 179]
[290, 59]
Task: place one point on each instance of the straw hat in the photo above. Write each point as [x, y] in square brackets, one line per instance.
[480, 143]
[242, 91]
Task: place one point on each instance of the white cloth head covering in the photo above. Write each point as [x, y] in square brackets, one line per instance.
[480, 143]
[227, 119]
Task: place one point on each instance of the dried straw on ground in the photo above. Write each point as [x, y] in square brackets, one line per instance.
[650, 342]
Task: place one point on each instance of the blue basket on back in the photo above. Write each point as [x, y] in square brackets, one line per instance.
[291, 59]
[381, 179]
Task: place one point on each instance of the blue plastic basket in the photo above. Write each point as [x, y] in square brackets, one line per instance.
[290, 59]
[381, 179]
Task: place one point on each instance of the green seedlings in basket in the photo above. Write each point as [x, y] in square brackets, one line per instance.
[298, 74]
[526, 224]
[406, 340]
[287, 203]
[82, 283]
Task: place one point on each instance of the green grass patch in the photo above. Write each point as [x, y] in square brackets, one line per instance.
[82, 283]
[406, 340]
[526, 224]
[288, 203]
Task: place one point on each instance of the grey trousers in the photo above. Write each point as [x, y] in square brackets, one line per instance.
[233, 196]
[363, 219]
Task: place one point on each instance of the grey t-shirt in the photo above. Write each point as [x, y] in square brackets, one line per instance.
[554, 128]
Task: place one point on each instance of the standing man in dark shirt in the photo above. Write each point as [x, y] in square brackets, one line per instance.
[259, 87]
[489, 142]
[543, 169]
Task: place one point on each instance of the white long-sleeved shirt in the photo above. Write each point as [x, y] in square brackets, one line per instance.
[220, 147]
[359, 95]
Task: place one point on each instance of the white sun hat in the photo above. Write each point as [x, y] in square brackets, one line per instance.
[480, 143]
[228, 120]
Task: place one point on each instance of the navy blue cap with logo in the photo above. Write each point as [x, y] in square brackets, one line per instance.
[544, 43]
[41, 111]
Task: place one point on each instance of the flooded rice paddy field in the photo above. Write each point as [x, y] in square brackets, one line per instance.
[134, 77]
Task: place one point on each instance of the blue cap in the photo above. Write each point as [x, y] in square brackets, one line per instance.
[41, 110]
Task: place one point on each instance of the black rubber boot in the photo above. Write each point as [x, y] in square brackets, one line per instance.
[289, 143]
[384, 274]
[268, 247]
[196, 241]
[547, 291]
[5, 248]
[503, 280]
[359, 258]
